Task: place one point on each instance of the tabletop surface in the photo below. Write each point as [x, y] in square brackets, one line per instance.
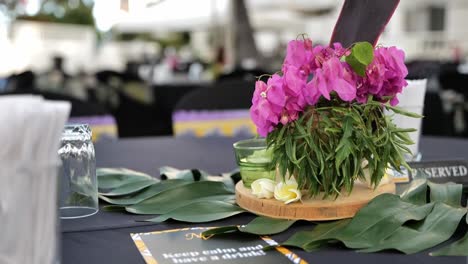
[105, 237]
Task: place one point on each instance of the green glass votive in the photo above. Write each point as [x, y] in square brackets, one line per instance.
[254, 160]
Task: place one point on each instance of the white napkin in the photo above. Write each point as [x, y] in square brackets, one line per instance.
[412, 99]
[30, 133]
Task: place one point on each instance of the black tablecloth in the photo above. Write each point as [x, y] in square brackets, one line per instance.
[105, 237]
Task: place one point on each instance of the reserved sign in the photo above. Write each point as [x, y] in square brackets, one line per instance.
[436, 171]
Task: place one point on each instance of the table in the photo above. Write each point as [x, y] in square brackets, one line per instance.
[104, 237]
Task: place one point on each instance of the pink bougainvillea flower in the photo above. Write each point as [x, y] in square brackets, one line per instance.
[385, 76]
[320, 54]
[282, 99]
[334, 76]
[298, 56]
[311, 93]
[268, 102]
[294, 81]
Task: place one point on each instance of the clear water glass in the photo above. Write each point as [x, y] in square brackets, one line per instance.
[78, 194]
[254, 160]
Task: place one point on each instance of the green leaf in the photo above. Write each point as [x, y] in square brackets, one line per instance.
[382, 217]
[220, 230]
[448, 193]
[200, 212]
[401, 111]
[129, 188]
[436, 228]
[361, 55]
[171, 199]
[406, 130]
[363, 52]
[416, 193]
[358, 67]
[291, 150]
[321, 233]
[457, 248]
[146, 193]
[113, 208]
[373, 223]
[266, 226]
[110, 178]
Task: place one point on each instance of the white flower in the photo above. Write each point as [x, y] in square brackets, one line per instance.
[287, 192]
[263, 188]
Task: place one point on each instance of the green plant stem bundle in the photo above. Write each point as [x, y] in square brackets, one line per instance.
[327, 147]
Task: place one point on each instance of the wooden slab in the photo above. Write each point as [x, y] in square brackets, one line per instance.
[314, 209]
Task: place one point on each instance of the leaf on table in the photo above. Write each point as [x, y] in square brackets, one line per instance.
[416, 193]
[379, 219]
[436, 228]
[145, 193]
[129, 188]
[457, 248]
[266, 226]
[448, 193]
[200, 212]
[220, 230]
[113, 208]
[171, 199]
[110, 178]
[320, 234]
[259, 226]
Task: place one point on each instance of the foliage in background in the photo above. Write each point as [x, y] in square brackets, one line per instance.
[77, 12]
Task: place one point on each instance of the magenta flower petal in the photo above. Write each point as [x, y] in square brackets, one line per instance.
[294, 82]
[394, 101]
[345, 90]
[312, 94]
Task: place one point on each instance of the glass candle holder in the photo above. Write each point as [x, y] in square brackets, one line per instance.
[78, 192]
[254, 160]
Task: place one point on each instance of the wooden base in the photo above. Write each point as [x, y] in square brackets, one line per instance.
[313, 209]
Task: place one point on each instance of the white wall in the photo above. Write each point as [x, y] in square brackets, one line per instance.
[35, 43]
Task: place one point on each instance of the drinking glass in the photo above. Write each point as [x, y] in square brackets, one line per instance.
[78, 187]
[254, 160]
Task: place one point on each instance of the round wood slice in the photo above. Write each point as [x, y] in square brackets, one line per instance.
[314, 209]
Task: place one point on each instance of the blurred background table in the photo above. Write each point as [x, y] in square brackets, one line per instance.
[105, 237]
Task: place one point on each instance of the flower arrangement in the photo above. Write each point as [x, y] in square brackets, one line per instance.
[325, 117]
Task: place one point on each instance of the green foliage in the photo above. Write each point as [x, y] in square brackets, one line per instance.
[362, 54]
[259, 226]
[59, 11]
[170, 199]
[182, 200]
[458, 248]
[266, 226]
[129, 188]
[111, 178]
[200, 212]
[424, 216]
[326, 147]
[139, 196]
[393, 222]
